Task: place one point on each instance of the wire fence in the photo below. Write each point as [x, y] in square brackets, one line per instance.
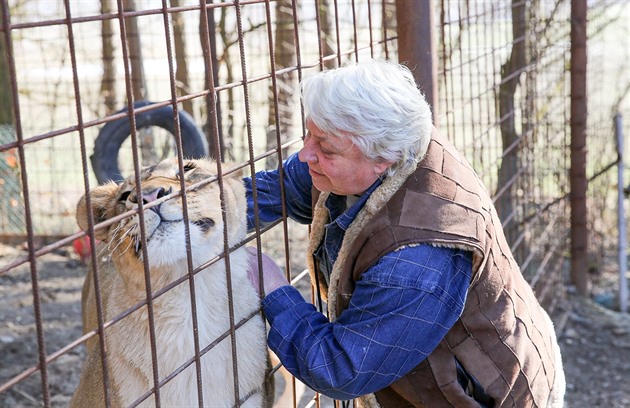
[608, 89]
[70, 69]
[505, 103]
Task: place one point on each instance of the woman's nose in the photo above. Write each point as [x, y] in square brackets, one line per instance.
[307, 154]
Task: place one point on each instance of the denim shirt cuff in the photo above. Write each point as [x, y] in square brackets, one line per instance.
[281, 299]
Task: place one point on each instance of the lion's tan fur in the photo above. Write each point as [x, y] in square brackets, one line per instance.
[121, 273]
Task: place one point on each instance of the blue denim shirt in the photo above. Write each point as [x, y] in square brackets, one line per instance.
[400, 310]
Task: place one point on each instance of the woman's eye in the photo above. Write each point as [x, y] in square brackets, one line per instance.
[326, 152]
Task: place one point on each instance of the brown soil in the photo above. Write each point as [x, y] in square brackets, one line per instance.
[595, 340]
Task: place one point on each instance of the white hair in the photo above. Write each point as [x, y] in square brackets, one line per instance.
[378, 105]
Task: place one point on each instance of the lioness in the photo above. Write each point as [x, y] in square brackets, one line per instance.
[122, 285]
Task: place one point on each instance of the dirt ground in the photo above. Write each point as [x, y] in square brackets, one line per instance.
[595, 340]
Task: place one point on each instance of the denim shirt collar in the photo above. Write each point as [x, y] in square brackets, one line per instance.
[343, 216]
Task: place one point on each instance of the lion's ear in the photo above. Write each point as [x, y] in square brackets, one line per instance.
[101, 206]
[236, 205]
[234, 174]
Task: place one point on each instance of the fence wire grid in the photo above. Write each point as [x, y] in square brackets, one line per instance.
[68, 68]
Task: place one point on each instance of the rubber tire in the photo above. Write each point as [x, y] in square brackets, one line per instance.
[113, 134]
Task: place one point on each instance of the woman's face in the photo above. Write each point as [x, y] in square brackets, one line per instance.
[336, 164]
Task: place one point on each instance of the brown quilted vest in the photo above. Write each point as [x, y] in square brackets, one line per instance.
[502, 338]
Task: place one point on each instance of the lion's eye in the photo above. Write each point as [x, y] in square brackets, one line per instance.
[188, 167]
[124, 196]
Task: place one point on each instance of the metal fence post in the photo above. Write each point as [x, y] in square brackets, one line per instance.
[621, 194]
[417, 46]
[579, 182]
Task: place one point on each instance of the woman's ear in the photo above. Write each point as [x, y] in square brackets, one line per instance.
[381, 166]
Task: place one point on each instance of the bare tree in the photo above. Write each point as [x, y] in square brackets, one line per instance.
[388, 16]
[135, 52]
[326, 34]
[138, 84]
[181, 60]
[6, 100]
[108, 82]
[280, 117]
[207, 29]
[509, 170]
[229, 39]
[6, 97]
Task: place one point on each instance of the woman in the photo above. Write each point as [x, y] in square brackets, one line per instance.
[426, 305]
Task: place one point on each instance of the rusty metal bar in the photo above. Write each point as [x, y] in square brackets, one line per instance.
[116, 15]
[276, 110]
[136, 166]
[41, 345]
[350, 33]
[90, 215]
[371, 41]
[416, 24]
[248, 127]
[471, 59]
[578, 181]
[354, 26]
[180, 161]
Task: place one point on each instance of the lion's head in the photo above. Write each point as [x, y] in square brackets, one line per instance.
[165, 231]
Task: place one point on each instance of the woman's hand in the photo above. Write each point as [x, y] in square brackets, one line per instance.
[272, 276]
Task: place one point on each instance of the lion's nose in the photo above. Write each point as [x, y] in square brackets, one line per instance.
[156, 194]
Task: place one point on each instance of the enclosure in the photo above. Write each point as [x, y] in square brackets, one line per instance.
[528, 90]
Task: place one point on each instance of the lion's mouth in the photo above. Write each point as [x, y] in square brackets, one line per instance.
[204, 223]
[160, 228]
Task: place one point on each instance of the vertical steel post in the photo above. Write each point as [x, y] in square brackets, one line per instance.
[417, 46]
[623, 257]
[578, 182]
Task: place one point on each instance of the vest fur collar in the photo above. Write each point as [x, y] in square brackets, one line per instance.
[375, 202]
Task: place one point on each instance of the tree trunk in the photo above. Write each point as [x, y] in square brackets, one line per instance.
[216, 148]
[108, 81]
[135, 52]
[6, 98]
[280, 117]
[146, 140]
[326, 33]
[181, 70]
[510, 75]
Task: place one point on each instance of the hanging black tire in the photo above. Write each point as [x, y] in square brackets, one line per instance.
[113, 134]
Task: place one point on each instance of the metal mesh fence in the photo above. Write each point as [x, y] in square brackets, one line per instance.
[44, 77]
[234, 67]
[608, 90]
[73, 66]
[11, 206]
[504, 101]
